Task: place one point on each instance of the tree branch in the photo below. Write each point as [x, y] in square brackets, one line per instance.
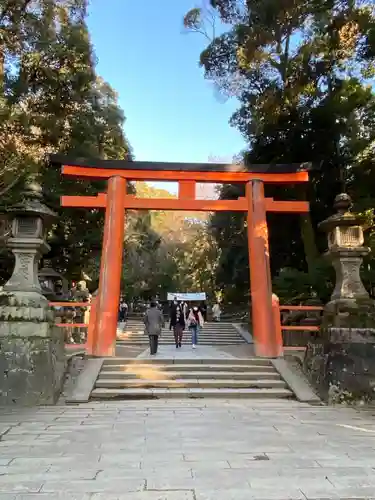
[10, 186]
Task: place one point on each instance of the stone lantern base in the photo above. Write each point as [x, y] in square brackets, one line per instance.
[32, 352]
[340, 360]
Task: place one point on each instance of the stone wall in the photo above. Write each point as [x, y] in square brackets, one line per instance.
[32, 366]
[342, 368]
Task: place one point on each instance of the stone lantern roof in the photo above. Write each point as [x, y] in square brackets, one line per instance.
[344, 217]
[48, 272]
[31, 204]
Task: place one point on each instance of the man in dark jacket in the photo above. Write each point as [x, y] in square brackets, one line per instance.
[154, 323]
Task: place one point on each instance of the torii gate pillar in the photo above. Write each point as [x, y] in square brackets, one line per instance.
[268, 341]
[107, 304]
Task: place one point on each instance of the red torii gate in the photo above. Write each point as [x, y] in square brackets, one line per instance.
[116, 200]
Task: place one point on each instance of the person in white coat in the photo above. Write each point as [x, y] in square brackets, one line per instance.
[216, 312]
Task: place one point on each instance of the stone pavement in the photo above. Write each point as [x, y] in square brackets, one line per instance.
[186, 450]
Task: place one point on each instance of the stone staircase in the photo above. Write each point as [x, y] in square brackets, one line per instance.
[132, 333]
[121, 378]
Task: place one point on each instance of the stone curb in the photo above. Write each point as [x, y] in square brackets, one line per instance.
[296, 382]
[86, 381]
[244, 333]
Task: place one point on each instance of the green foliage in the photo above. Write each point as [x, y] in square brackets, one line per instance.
[301, 72]
[294, 286]
[167, 251]
[51, 100]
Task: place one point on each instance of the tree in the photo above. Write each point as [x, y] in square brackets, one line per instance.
[53, 101]
[167, 251]
[300, 71]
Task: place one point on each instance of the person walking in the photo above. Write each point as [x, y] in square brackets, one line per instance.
[123, 310]
[203, 310]
[195, 323]
[216, 312]
[177, 322]
[154, 322]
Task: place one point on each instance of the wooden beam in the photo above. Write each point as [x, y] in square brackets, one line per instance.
[174, 175]
[186, 190]
[267, 344]
[97, 163]
[287, 206]
[108, 298]
[133, 203]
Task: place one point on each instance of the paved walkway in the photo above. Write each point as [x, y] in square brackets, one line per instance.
[187, 450]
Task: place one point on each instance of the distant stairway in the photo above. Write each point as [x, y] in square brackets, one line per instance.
[122, 378]
[211, 334]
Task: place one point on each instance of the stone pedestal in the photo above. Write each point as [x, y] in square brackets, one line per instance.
[340, 360]
[32, 351]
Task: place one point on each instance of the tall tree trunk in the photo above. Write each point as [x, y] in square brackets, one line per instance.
[308, 237]
[2, 72]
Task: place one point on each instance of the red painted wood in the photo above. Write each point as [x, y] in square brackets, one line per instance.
[186, 190]
[111, 269]
[133, 203]
[169, 175]
[267, 343]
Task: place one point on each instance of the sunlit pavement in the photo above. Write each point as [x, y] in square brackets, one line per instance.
[187, 450]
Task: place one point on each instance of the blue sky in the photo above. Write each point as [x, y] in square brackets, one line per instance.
[172, 111]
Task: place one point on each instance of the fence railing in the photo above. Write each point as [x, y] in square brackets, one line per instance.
[287, 332]
[72, 327]
[290, 339]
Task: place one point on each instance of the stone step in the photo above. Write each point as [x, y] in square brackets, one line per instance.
[187, 368]
[204, 331]
[186, 334]
[206, 326]
[230, 331]
[211, 329]
[214, 335]
[129, 378]
[209, 324]
[141, 393]
[130, 342]
[189, 383]
[135, 333]
[248, 362]
[141, 333]
[212, 374]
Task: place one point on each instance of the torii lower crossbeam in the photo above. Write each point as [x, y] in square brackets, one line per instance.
[192, 205]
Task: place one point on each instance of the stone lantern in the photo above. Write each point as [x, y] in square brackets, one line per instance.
[346, 250]
[30, 220]
[340, 360]
[350, 305]
[49, 279]
[32, 354]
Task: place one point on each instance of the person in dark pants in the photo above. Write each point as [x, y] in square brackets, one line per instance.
[203, 310]
[154, 322]
[177, 322]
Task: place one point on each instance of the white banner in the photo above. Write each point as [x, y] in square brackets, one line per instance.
[188, 297]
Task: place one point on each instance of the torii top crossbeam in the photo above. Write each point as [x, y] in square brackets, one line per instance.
[199, 172]
[186, 174]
